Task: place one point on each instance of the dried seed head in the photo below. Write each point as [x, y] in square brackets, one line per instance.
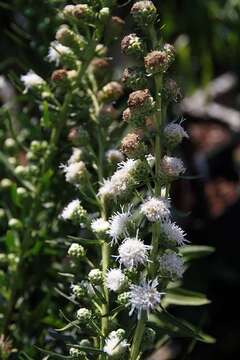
[141, 100]
[111, 92]
[132, 45]
[132, 145]
[134, 78]
[156, 61]
[59, 75]
[144, 13]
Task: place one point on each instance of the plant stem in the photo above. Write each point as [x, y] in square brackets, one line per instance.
[138, 336]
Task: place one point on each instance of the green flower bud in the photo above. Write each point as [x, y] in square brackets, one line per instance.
[123, 298]
[85, 342]
[67, 37]
[22, 193]
[134, 78]
[132, 45]
[15, 224]
[10, 144]
[78, 291]
[104, 14]
[95, 276]
[21, 170]
[77, 354]
[5, 184]
[12, 161]
[76, 251]
[84, 315]
[144, 13]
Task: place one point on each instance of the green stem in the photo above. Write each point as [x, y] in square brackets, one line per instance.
[138, 336]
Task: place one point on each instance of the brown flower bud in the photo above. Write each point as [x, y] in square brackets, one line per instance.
[156, 61]
[82, 12]
[132, 144]
[59, 75]
[100, 66]
[108, 113]
[126, 115]
[139, 98]
[111, 91]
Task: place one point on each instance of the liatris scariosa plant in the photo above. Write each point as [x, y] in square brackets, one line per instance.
[125, 256]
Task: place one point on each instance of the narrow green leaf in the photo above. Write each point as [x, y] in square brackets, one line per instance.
[52, 353]
[191, 252]
[184, 298]
[86, 349]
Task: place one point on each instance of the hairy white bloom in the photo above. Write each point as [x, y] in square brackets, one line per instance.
[115, 344]
[56, 51]
[174, 233]
[74, 172]
[115, 279]
[174, 133]
[133, 252]
[76, 156]
[71, 210]
[99, 226]
[31, 79]
[121, 179]
[172, 265]
[150, 159]
[172, 166]
[144, 297]
[156, 209]
[114, 155]
[118, 225]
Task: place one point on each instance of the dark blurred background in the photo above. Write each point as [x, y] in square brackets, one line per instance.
[206, 37]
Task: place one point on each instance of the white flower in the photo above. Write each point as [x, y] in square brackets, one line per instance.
[156, 209]
[144, 297]
[118, 225]
[115, 344]
[114, 155]
[55, 52]
[76, 156]
[172, 166]
[150, 159]
[71, 210]
[115, 279]
[31, 79]
[172, 265]
[174, 133]
[121, 179]
[99, 226]
[133, 252]
[174, 233]
[74, 172]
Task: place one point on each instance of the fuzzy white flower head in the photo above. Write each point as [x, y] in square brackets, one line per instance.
[56, 51]
[156, 209]
[150, 160]
[31, 80]
[99, 226]
[115, 279]
[133, 252]
[172, 166]
[174, 133]
[114, 156]
[76, 156]
[74, 172]
[144, 297]
[118, 225]
[115, 344]
[174, 233]
[172, 265]
[71, 210]
[107, 189]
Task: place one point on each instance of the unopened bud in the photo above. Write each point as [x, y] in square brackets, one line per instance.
[76, 251]
[134, 78]
[95, 276]
[111, 92]
[84, 315]
[144, 13]
[132, 45]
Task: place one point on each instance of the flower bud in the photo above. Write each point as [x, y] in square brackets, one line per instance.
[22, 193]
[10, 144]
[12, 161]
[78, 291]
[59, 75]
[101, 50]
[156, 62]
[76, 172]
[174, 134]
[5, 184]
[172, 167]
[114, 156]
[83, 12]
[100, 67]
[144, 13]
[134, 78]
[104, 14]
[141, 104]
[95, 276]
[21, 170]
[84, 315]
[123, 298]
[76, 251]
[77, 353]
[111, 92]
[67, 37]
[132, 45]
[68, 11]
[107, 114]
[132, 145]
[15, 224]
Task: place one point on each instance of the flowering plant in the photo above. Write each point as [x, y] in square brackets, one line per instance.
[126, 254]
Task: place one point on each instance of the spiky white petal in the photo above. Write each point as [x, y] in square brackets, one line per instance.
[156, 209]
[115, 345]
[133, 252]
[31, 79]
[74, 172]
[70, 211]
[144, 297]
[172, 265]
[56, 50]
[172, 166]
[76, 156]
[118, 225]
[115, 279]
[99, 226]
[174, 233]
